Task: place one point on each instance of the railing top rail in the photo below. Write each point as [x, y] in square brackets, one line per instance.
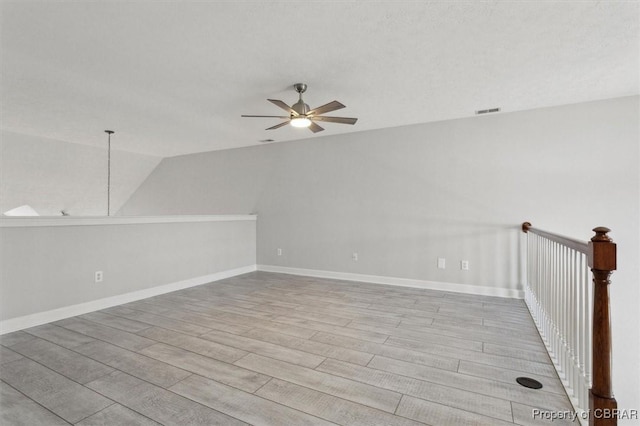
[577, 245]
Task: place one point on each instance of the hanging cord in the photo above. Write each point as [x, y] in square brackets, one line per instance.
[109, 132]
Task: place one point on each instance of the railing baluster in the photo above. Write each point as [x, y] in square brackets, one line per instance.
[562, 309]
[581, 331]
[574, 321]
[588, 326]
[585, 333]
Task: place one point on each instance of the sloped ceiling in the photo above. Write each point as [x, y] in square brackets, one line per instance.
[174, 77]
[51, 176]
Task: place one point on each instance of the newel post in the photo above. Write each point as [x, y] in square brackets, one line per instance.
[602, 261]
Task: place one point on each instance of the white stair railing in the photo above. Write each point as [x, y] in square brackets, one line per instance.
[564, 303]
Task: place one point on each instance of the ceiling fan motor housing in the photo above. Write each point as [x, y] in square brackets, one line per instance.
[300, 107]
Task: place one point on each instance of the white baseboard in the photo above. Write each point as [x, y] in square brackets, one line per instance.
[19, 323]
[402, 282]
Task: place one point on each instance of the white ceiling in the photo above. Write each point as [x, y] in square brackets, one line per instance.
[173, 77]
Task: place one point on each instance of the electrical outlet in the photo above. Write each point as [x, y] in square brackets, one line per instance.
[442, 263]
[464, 265]
[354, 256]
[279, 252]
[99, 276]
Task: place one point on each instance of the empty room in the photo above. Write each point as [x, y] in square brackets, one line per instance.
[295, 213]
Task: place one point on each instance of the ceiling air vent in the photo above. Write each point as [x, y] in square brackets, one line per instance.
[487, 111]
[266, 140]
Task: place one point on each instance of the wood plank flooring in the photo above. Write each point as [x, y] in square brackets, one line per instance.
[276, 349]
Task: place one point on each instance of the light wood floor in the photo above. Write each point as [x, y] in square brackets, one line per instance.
[267, 348]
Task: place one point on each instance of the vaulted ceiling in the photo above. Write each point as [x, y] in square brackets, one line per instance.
[174, 77]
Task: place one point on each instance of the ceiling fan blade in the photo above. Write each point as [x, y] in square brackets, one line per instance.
[277, 126]
[266, 116]
[282, 105]
[315, 128]
[341, 120]
[331, 106]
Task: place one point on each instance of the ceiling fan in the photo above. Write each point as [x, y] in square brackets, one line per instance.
[300, 115]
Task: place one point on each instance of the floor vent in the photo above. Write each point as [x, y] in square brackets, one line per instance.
[528, 382]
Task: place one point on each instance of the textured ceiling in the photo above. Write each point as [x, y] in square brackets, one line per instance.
[174, 77]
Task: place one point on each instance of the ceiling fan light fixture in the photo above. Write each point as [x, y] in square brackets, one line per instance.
[300, 122]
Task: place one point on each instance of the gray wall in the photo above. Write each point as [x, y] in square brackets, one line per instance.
[52, 175]
[403, 197]
[458, 189]
[45, 268]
